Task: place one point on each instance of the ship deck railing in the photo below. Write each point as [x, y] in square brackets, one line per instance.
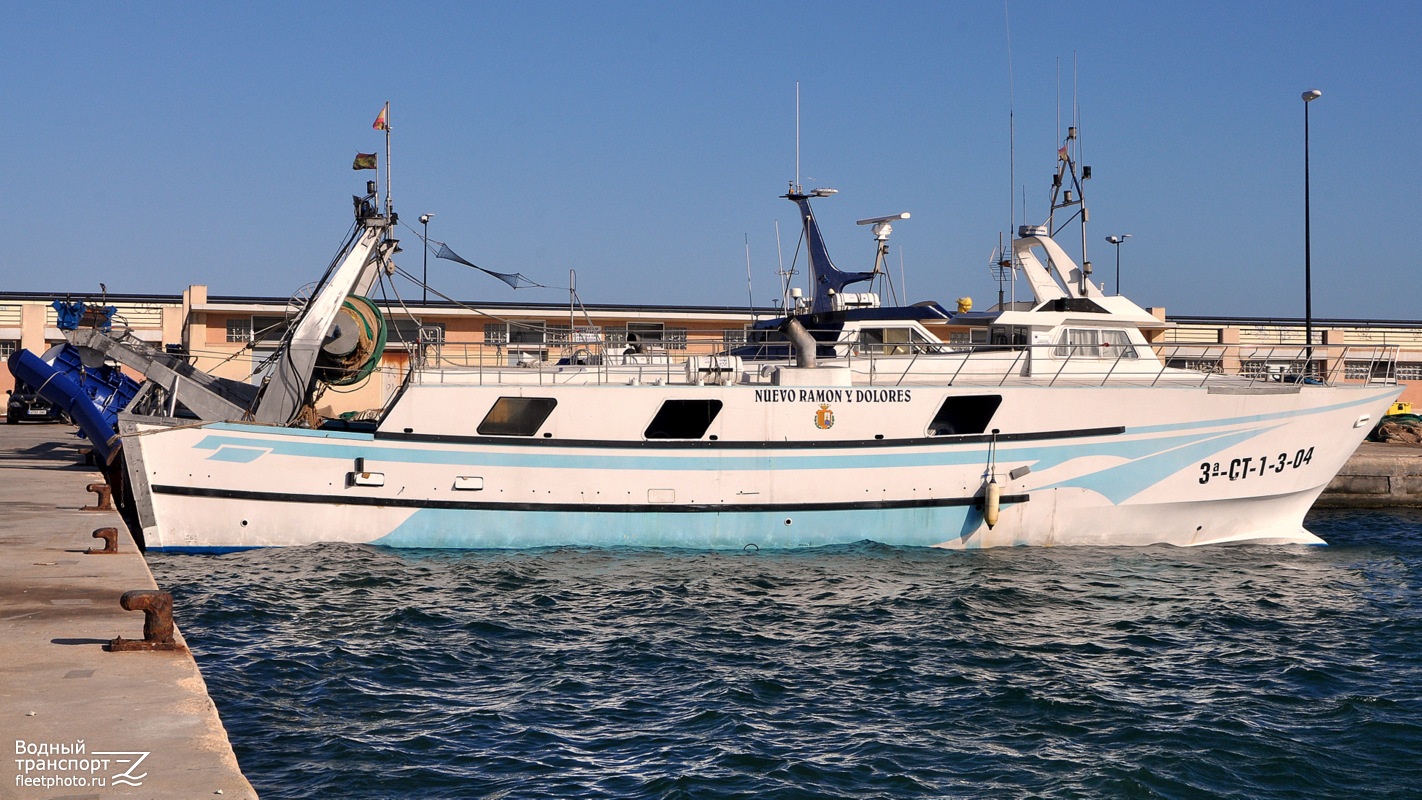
[692, 359]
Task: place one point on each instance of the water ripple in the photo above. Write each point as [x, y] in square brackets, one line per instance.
[846, 672]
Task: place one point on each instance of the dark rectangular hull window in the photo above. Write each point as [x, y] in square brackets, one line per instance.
[516, 416]
[683, 419]
[964, 414]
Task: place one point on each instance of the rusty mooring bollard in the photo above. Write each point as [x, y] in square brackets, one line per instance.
[105, 499]
[157, 608]
[110, 537]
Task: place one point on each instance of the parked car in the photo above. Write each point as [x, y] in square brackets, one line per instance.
[26, 404]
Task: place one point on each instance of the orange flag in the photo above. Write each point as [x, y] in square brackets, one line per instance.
[381, 122]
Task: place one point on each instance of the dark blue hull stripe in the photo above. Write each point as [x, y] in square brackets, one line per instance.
[976, 438]
[598, 508]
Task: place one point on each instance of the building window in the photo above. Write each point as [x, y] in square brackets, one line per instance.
[1379, 370]
[1212, 366]
[268, 329]
[1409, 372]
[645, 333]
[527, 333]
[8, 347]
[239, 329]
[532, 333]
[411, 332]
[557, 335]
[523, 342]
[646, 337]
[1270, 370]
[256, 329]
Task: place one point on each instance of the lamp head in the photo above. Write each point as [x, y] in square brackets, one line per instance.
[425, 219]
[1311, 95]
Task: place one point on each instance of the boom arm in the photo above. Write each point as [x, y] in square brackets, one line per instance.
[290, 379]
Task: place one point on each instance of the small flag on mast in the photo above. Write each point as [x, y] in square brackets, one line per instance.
[382, 122]
[1062, 154]
[364, 161]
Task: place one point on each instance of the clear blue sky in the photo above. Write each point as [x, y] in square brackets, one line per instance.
[152, 145]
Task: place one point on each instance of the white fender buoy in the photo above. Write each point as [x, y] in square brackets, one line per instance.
[992, 497]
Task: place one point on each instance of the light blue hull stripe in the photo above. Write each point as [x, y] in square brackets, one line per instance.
[1124, 481]
[902, 527]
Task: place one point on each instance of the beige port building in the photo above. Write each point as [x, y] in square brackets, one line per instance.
[233, 336]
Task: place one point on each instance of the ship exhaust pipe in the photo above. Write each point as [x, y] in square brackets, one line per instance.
[805, 344]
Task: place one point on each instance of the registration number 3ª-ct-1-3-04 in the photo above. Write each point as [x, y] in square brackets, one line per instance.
[1249, 466]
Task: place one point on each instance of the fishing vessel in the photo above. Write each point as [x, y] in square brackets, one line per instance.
[1048, 420]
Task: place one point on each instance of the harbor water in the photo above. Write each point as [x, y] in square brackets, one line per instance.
[849, 672]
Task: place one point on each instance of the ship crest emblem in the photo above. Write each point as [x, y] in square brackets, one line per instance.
[824, 418]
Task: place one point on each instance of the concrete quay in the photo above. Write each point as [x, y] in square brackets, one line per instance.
[1378, 475]
[82, 721]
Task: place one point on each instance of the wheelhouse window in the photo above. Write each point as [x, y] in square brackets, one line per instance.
[683, 419]
[516, 416]
[969, 336]
[1116, 344]
[894, 341]
[1009, 336]
[962, 415]
[1094, 343]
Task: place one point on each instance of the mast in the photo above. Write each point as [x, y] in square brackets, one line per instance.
[289, 385]
[826, 279]
[382, 123]
[796, 188]
[1063, 197]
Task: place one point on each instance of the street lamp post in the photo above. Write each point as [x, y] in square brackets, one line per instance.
[425, 283]
[1117, 240]
[1308, 97]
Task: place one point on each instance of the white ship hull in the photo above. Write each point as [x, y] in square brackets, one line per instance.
[1105, 465]
[1059, 420]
